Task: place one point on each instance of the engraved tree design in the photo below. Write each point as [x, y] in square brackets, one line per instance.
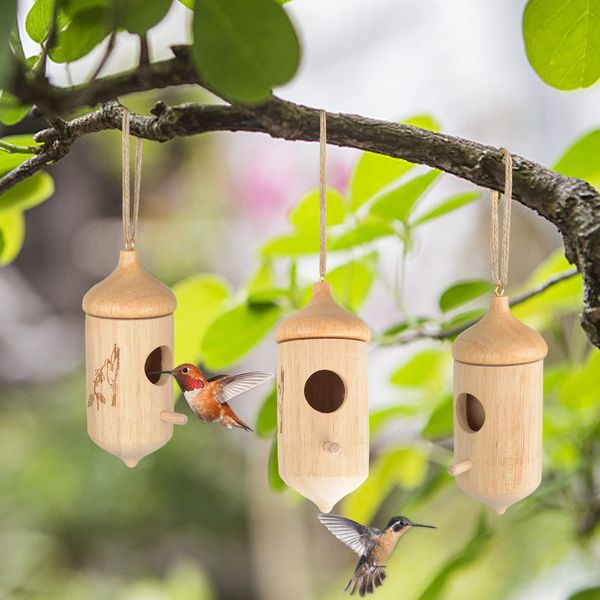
[108, 372]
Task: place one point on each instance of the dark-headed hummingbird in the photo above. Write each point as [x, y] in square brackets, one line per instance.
[374, 546]
[209, 398]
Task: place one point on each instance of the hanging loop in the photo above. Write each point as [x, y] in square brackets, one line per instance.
[500, 239]
[130, 217]
[322, 194]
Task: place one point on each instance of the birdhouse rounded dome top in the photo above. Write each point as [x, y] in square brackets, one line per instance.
[129, 292]
[322, 318]
[499, 338]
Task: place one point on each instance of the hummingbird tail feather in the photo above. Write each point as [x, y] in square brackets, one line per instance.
[232, 420]
[366, 579]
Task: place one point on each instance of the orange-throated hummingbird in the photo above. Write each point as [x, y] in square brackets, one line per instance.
[374, 546]
[209, 398]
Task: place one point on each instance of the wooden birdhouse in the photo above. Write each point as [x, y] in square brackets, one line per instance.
[498, 406]
[128, 335]
[322, 400]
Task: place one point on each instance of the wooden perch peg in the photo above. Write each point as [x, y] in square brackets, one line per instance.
[168, 416]
[331, 447]
[460, 467]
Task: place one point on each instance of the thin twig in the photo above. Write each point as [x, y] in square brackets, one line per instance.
[145, 58]
[107, 54]
[444, 334]
[14, 149]
[48, 45]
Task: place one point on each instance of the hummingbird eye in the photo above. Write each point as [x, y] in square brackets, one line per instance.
[184, 370]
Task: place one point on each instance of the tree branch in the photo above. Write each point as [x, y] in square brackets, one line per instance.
[452, 332]
[572, 205]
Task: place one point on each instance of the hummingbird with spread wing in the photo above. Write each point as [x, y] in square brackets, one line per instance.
[209, 398]
[374, 546]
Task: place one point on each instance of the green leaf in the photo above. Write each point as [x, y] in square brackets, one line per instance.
[200, 299]
[138, 16]
[476, 545]
[462, 292]
[244, 48]
[578, 391]
[373, 172]
[351, 283]
[562, 41]
[82, 34]
[28, 193]
[263, 278]
[365, 232]
[11, 109]
[463, 318]
[405, 324]
[266, 422]
[565, 297]
[237, 331]
[305, 215]
[587, 594]
[404, 467]
[262, 289]
[423, 122]
[399, 202]
[580, 159]
[188, 3]
[292, 244]
[380, 418]
[425, 368]
[39, 20]
[12, 235]
[447, 206]
[440, 422]
[8, 20]
[275, 482]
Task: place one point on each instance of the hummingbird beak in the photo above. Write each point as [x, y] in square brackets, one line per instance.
[160, 373]
[421, 525]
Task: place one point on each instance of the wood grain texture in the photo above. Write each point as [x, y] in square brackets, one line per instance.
[323, 317]
[129, 292]
[506, 452]
[307, 437]
[124, 407]
[499, 339]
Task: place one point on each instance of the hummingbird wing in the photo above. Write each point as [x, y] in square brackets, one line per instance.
[359, 538]
[230, 386]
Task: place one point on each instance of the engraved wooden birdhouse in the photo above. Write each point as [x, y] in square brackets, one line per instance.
[322, 407]
[498, 406]
[129, 333]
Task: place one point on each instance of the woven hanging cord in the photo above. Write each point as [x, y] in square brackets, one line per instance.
[322, 194]
[500, 240]
[130, 218]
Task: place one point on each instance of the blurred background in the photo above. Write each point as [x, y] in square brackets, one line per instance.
[202, 517]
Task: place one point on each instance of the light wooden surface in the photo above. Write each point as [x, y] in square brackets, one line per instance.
[506, 452]
[322, 317]
[130, 422]
[169, 416]
[499, 339]
[129, 292]
[323, 456]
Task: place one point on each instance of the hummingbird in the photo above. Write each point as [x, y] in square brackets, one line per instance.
[208, 398]
[374, 546]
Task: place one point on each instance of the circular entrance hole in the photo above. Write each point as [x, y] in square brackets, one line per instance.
[325, 391]
[158, 360]
[470, 412]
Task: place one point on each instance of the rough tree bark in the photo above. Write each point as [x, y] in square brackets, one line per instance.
[572, 205]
